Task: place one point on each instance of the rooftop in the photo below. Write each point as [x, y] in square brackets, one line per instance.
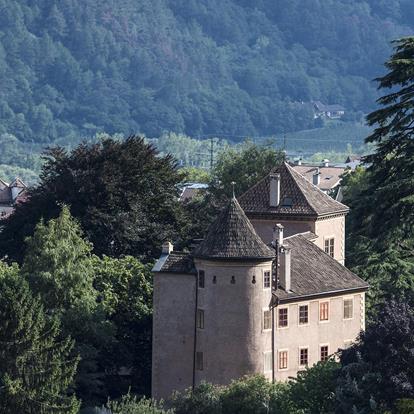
[232, 236]
[329, 177]
[298, 197]
[314, 272]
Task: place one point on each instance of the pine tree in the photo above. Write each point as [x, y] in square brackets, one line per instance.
[36, 369]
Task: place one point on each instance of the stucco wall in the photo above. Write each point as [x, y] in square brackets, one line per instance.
[233, 340]
[264, 228]
[337, 332]
[173, 333]
[332, 227]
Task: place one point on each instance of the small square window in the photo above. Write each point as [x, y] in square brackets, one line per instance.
[266, 280]
[200, 361]
[348, 308]
[283, 317]
[324, 352]
[303, 357]
[267, 361]
[283, 359]
[267, 320]
[200, 319]
[201, 279]
[303, 314]
[324, 311]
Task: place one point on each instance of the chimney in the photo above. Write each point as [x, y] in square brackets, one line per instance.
[274, 191]
[316, 178]
[278, 235]
[299, 161]
[325, 163]
[284, 268]
[167, 248]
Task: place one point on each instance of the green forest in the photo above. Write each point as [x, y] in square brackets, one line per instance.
[70, 69]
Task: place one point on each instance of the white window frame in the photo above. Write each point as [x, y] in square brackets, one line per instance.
[270, 279]
[351, 298]
[267, 354]
[263, 320]
[278, 309]
[329, 238]
[329, 311]
[303, 304]
[299, 363]
[279, 351]
[200, 311]
[320, 349]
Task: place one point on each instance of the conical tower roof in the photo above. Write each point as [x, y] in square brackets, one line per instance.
[232, 236]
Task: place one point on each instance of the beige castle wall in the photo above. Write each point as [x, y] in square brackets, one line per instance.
[264, 228]
[173, 333]
[332, 227]
[233, 339]
[336, 332]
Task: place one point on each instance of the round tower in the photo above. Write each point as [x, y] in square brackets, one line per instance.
[233, 335]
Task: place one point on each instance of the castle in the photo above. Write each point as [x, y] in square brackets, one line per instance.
[264, 292]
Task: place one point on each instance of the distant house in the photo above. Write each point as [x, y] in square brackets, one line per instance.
[328, 111]
[324, 176]
[10, 195]
[190, 190]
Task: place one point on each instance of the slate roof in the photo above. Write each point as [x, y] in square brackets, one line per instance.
[175, 262]
[329, 177]
[313, 272]
[298, 197]
[232, 236]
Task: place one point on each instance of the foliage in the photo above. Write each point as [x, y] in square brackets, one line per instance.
[36, 367]
[313, 390]
[228, 67]
[405, 406]
[125, 292]
[132, 405]
[196, 175]
[379, 369]
[122, 193]
[381, 236]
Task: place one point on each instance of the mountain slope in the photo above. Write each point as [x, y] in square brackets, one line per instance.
[72, 68]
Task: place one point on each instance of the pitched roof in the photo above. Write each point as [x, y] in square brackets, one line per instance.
[329, 177]
[232, 236]
[175, 262]
[298, 197]
[314, 272]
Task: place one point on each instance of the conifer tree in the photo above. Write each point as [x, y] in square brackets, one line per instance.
[36, 369]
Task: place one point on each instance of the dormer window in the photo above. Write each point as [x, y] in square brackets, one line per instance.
[287, 202]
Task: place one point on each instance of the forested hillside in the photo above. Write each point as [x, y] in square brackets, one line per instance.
[72, 68]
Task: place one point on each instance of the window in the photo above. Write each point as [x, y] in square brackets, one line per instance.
[201, 277]
[329, 246]
[200, 319]
[303, 314]
[283, 359]
[199, 361]
[324, 311]
[324, 352]
[267, 361]
[267, 320]
[303, 356]
[348, 308]
[233, 280]
[283, 318]
[266, 280]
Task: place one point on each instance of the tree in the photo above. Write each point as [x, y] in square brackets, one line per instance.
[379, 368]
[132, 405]
[122, 193]
[313, 390]
[125, 291]
[36, 367]
[382, 237]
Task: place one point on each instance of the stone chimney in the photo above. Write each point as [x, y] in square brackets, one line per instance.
[274, 190]
[325, 162]
[167, 247]
[284, 268]
[316, 178]
[278, 235]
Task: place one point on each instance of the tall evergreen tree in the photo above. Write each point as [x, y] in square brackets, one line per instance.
[36, 368]
[381, 241]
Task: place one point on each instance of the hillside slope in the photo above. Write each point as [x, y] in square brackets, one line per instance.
[73, 68]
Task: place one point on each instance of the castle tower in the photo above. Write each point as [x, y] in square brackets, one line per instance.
[211, 317]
